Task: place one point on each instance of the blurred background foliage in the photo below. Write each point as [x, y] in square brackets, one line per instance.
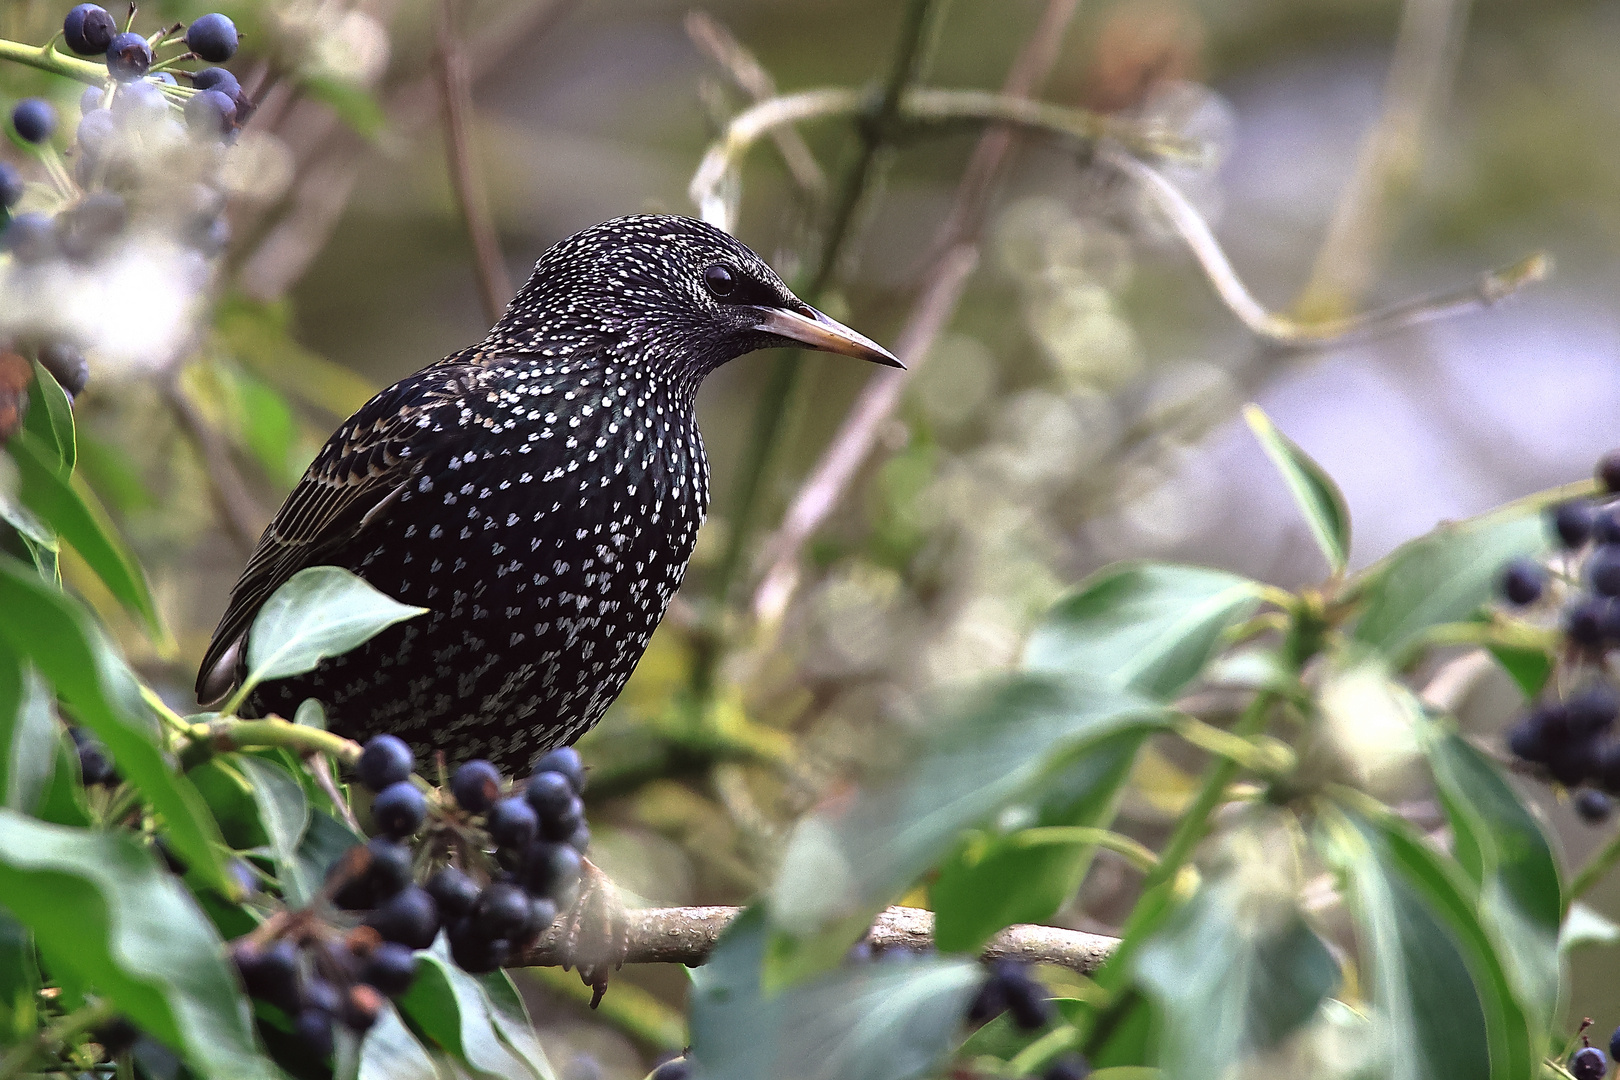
[1080, 404]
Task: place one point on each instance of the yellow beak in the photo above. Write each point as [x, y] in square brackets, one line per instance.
[816, 331]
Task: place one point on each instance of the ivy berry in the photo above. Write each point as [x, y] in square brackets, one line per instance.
[213, 38]
[564, 760]
[1572, 521]
[33, 119]
[1523, 582]
[11, 185]
[88, 29]
[476, 785]
[399, 809]
[1589, 1063]
[385, 761]
[129, 57]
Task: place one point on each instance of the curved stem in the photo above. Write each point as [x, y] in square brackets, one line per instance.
[224, 735]
[46, 58]
[1135, 853]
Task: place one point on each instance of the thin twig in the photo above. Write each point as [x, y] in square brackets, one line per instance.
[687, 936]
[731, 56]
[239, 511]
[455, 89]
[1290, 333]
[916, 108]
[957, 251]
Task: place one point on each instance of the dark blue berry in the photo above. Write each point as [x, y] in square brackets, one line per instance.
[512, 823]
[1572, 521]
[550, 794]
[313, 1030]
[502, 911]
[94, 764]
[1608, 471]
[67, 366]
[542, 913]
[1025, 998]
[1591, 710]
[361, 1007]
[88, 29]
[475, 953]
[211, 114]
[96, 132]
[1587, 622]
[1523, 581]
[269, 974]
[399, 809]
[117, 1035]
[552, 870]
[1603, 570]
[91, 100]
[11, 185]
[1588, 1063]
[385, 760]
[1606, 525]
[476, 785]
[1614, 1044]
[139, 99]
[30, 238]
[1067, 1067]
[384, 868]
[84, 231]
[213, 38]
[215, 78]
[1527, 742]
[580, 838]
[33, 119]
[409, 918]
[129, 57]
[390, 968]
[561, 826]
[319, 994]
[453, 891]
[1607, 772]
[1594, 807]
[1574, 762]
[565, 760]
[677, 1069]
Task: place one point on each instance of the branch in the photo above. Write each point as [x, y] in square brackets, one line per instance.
[687, 936]
[224, 735]
[920, 108]
[957, 253]
[494, 285]
[1486, 291]
[46, 58]
[731, 56]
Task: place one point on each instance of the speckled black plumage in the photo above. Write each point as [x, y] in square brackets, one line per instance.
[539, 492]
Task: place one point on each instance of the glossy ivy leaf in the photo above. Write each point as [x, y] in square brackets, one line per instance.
[1500, 846]
[1314, 491]
[42, 544]
[892, 1020]
[43, 625]
[105, 915]
[28, 735]
[391, 1052]
[454, 1011]
[511, 1019]
[50, 421]
[1147, 626]
[77, 517]
[284, 814]
[1442, 1005]
[64, 801]
[1443, 577]
[321, 611]
[1001, 880]
[1530, 668]
[1234, 972]
[847, 861]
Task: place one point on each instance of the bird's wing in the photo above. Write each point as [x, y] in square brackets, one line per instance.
[356, 475]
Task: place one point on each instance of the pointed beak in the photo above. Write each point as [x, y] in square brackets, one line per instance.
[814, 330]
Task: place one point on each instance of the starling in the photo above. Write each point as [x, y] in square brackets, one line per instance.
[539, 493]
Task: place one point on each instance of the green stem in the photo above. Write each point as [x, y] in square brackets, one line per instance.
[46, 58]
[1137, 854]
[220, 736]
[1596, 867]
[68, 1028]
[1221, 772]
[1038, 1055]
[780, 385]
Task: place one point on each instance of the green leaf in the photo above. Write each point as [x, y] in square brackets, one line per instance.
[1443, 577]
[453, 1010]
[28, 735]
[511, 1019]
[1007, 739]
[391, 1052]
[50, 422]
[64, 802]
[883, 1021]
[1314, 491]
[104, 913]
[985, 887]
[1236, 970]
[321, 611]
[1147, 626]
[79, 519]
[36, 535]
[1442, 1005]
[1530, 668]
[325, 839]
[1503, 850]
[1583, 926]
[285, 815]
[72, 654]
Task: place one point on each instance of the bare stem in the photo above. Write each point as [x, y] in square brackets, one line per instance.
[228, 734]
[1487, 290]
[732, 57]
[687, 936]
[455, 88]
[46, 58]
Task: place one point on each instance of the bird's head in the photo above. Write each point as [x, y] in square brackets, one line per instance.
[670, 291]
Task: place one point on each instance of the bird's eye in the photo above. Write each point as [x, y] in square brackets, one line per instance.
[719, 280]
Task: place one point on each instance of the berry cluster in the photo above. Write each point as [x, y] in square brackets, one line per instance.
[491, 865]
[140, 172]
[1011, 988]
[1567, 736]
[1588, 1062]
[95, 767]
